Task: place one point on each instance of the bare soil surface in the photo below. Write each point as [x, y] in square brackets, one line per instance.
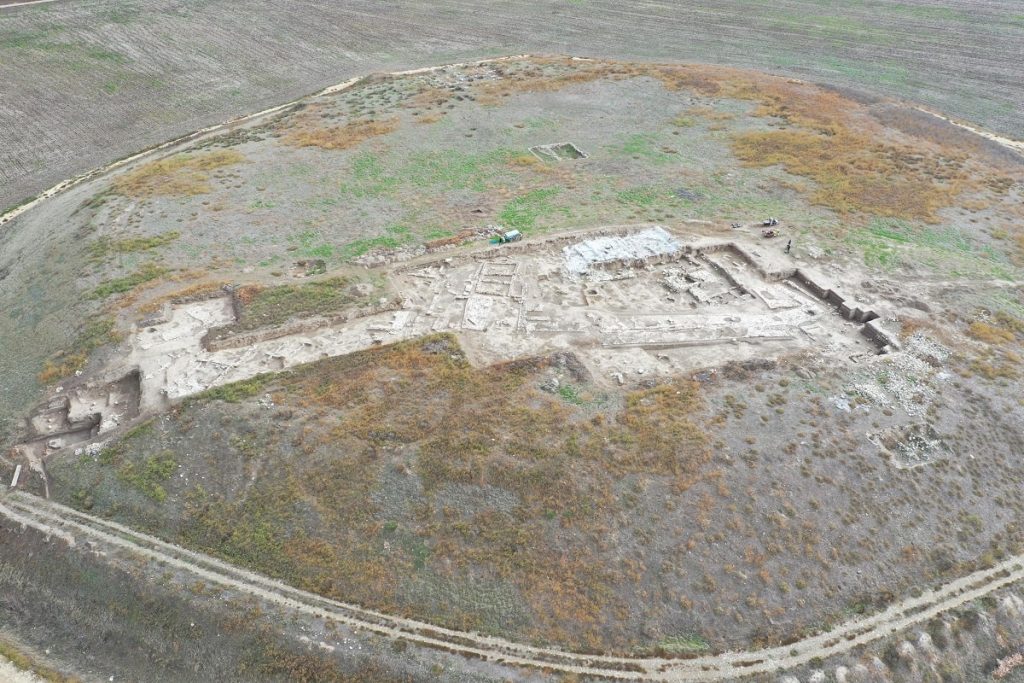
[9, 672]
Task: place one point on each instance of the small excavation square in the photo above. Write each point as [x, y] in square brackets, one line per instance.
[563, 151]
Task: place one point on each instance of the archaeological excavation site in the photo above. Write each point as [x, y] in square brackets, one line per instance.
[534, 368]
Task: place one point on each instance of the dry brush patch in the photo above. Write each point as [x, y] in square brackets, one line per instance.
[259, 306]
[855, 174]
[827, 137]
[415, 417]
[305, 131]
[181, 175]
[200, 290]
[95, 333]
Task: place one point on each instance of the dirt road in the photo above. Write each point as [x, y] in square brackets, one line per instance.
[74, 526]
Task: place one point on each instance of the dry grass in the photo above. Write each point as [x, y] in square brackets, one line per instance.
[339, 137]
[433, 117]
[94, 334]
[855, 174]
[535, 77]
[558, 465]
[419, 410]
[267, 307]
[460, 237]
[65, 366]
[427, 104]
[705, 113]
[829, 138]
[996, 366]
[160, 278]
[998, 360]
[190, 293]
[428, 98]
[990, 334]
[832, 141]
[182, 175]
[105, 247]
[529, 161]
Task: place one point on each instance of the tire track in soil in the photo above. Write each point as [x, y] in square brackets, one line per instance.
[71, 525]
[4, 4]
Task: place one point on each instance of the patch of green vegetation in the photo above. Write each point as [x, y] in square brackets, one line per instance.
[452, 170]
[570, 394]
[309, 244]
[845, 28]
[19, 204]
[146, 273]
[104, 246]
[418, 551]
[642, 146]
[100, 54]
[538, 123]
[271, 306]
[522, 212]
[148, 477]
[690, 642]
[354, 250]
[437, 234]
[369, 178]
[397, 236]
[236, 391]
[886, 243]
[881, 241]
[321, 251]
[122, 14]
[96, 333]
[641, 196]
[140, 431]
[886, 72]
[573, 395]
[41, 39]
[933, 13]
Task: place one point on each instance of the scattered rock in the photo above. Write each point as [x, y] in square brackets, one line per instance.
[550, 385]
[688, 195]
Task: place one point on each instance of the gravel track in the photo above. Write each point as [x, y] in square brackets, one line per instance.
[84, 82]
[72, 525]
